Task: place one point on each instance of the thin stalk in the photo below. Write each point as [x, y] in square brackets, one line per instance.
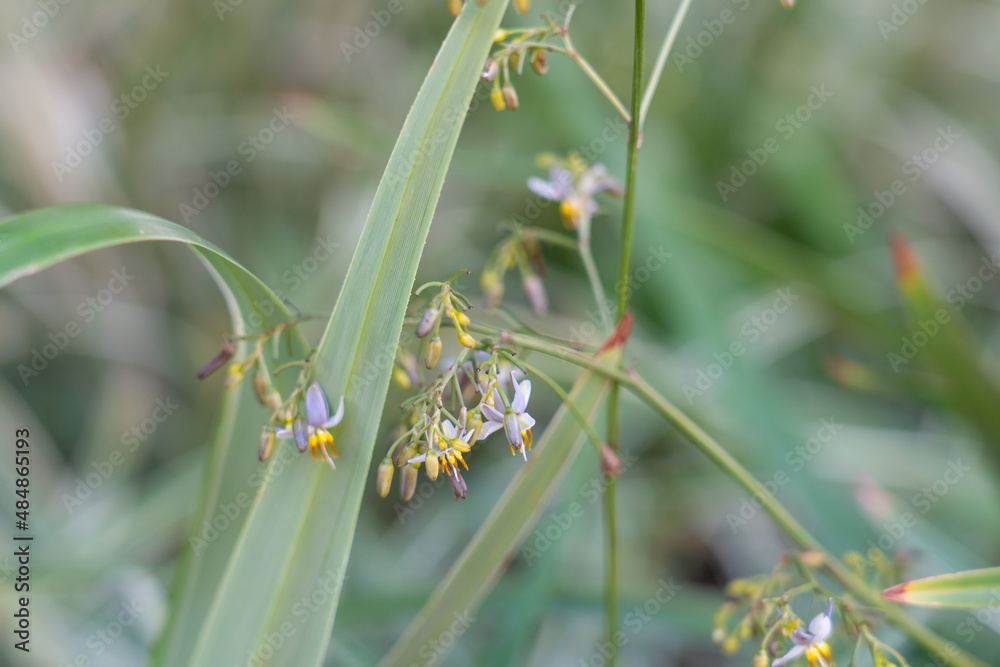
[661, 61]
[588, 70]
[595, 282]
[734, 469]
[624, 267]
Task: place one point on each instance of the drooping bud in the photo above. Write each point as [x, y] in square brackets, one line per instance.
[510, 97]
[466, 339]
[490, 69]
[432, 466]
[457, 484]
[383, 480]
[235, 375]
[497, 98]
[540, 61]
[407, 483]
[535, 291]
[522, 6]
[274, 400]
[266, 443]
[760, 659]
[500, 35]
[428, 321]
[218, 361]
[433, 352]
[455, 6]
[260, 387]
[492, 288]
[512, 429]
[301, 434]
[515, 62]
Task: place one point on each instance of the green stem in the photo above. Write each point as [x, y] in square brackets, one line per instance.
[661, 61]
[595, 282]
[729, 465]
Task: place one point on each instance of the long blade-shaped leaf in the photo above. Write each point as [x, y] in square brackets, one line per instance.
[279, 595]
[36, 240]
[487, 555]
[971, 589]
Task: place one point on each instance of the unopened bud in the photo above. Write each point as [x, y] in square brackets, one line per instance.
[383, 480]
[466, 339]
[407, 483]
[535, 291]
[428, 321]
[510, 97]
[218, 361]
[433, 352]
[540, 61]
[522, 6]
[512, 429]
[492, 288]
[260, 387]
[497, 98]
[274, 400]
[500, 35]
[432, 466]
[301, 434]
[266, 443]
[760, 659]
[455, 6]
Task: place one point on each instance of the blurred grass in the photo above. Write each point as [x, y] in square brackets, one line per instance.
[315, 181]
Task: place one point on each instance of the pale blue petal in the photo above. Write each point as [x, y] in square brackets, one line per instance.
[489, 428]
[492, 413]
[317, 407]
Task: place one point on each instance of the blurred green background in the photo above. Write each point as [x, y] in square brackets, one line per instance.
[148, 104]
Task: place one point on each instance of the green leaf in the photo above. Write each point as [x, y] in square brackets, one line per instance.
[486, 557]
[39, 239]
[972, 589]
[283, 583]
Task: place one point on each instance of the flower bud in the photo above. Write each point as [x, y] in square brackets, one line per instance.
[266, 443]
[760, 659]
[431, 466]
[512, 429]
[301, 434]
[535, 291]
[433, 352]
[515, 62]
[490, 70]
[497, 98]
[522, 6]
[218, 361]
[492, 288]
[400, 377]
[260, 387]
[455, 6]
[458, 484]
[467, 340]
[731, 645]
[407, 483]
[383, 480]
[500, 35]
[235, 375]
[428, 321]
[510, 97]
[274, 400]
[540, 61]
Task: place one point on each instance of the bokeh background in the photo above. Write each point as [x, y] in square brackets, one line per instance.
[876, 436]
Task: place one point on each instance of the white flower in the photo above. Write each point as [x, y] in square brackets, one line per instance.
[575, 195]
[515, 420]
[813, 643]
[313, 433]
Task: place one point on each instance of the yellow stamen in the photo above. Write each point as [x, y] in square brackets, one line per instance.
[526, 435]
[570, 214]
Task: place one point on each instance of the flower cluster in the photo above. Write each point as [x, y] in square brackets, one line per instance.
[304, 416]
[467, 403]
[762, 606]
[515, 47]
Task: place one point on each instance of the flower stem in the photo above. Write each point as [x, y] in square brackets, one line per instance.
[729, 465]
[661, 61]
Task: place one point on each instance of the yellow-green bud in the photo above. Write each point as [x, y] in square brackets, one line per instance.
[432, 466]
[510, 97]
[522, 6]
[455, 6]
[407, 483]
[467, 340]
[760, 659]
[383, 481]
[540, 61]
[433, 352]
[497, 98]
[260, 387]
[266, 443]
